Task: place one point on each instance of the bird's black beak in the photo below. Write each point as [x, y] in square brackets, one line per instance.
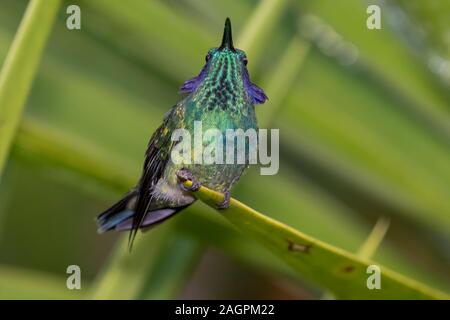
[227, 40]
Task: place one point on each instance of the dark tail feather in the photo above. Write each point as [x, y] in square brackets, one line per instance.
[115, 215]
[151, 219]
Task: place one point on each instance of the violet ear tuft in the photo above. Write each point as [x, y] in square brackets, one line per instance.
[192, 84]
[256, 93]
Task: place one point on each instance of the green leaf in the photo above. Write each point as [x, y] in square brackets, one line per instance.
[339, 271]
[279, 82]
[260, 26]
[20, 67]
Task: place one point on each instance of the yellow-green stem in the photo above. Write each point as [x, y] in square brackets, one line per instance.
[337, 270]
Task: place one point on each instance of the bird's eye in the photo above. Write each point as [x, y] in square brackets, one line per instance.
[208, 56]
[244, 60]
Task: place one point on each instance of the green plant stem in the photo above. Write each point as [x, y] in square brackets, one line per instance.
[339, 271]
[373, 241]
[20, 66]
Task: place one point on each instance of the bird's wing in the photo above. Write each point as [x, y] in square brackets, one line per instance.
[156, 158]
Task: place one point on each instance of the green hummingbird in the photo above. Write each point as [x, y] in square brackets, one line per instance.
[222, 97]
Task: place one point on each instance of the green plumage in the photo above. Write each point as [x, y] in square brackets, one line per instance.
[221, 97]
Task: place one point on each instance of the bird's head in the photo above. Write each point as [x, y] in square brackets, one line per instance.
[224, 78]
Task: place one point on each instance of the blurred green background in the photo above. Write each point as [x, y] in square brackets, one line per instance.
[364, 119]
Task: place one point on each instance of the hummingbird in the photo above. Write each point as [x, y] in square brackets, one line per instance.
[222, 97]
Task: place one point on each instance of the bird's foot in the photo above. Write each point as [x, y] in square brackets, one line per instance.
[226, 201]
[184, 175]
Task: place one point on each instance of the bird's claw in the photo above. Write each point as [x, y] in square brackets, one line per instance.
[226, 201]
[184, 175]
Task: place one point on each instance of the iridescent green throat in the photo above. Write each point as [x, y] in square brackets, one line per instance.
[223, 86]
